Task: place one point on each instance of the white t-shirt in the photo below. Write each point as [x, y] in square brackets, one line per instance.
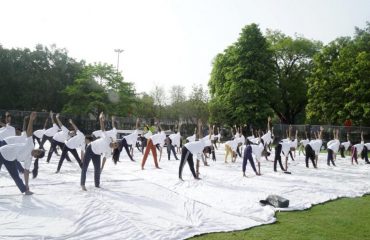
[131, 138]
[367, 146]
[191, 138]
[7, 131]
[316, 145]
[195, 147]
[39, 133]
[148, 134]
[19, 151]
[207, 141]
[50, 132]
[76, 141]
[294, 144]
[15, 139]
[101, 145]
[61, 136]
[346, 145]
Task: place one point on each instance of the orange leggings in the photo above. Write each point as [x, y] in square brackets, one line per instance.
[150, 146]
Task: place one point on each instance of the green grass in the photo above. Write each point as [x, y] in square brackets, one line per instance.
[346, 218]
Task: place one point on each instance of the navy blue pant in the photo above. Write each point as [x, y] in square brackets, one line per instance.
[248, 157]
[44, 139]
[170, 148]
[186, 156]
[11, 166]
[90, 155]
[330, 157]
[65, 154]
[53, 148]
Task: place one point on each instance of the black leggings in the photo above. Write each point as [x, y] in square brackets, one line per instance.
[310, 154]
[330, 157]
[53, 148]
[123, 144]
[278, 157]
[90, 155]
[186, 156]
[170, 148]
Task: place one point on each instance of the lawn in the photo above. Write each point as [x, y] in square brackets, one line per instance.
[346, 218]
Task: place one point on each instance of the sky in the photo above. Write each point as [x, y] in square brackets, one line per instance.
[167, 42]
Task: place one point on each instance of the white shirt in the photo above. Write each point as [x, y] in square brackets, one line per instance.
[346, 145]
[176, 137]
[7, 131]
[233, 144]
[257, 151]
[359, 147]
[61, 136]
[195, 147]
[131, 138]
[304, 142]
[267, 139]
[316, 145]
[367, 146]
[76, 141]
[50, 132]
[207, 141]
[101, 145]
[19, 151]
[191, 138]
[334, 145]
[158, 138]
[285, 146]
[294, 144]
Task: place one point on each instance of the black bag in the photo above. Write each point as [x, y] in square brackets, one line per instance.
[275, 201]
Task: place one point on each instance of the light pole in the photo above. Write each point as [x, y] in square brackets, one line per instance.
[118, 51]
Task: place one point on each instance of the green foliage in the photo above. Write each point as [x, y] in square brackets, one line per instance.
[34, 80]
[242, 84]
[99, 88]
[340, 82]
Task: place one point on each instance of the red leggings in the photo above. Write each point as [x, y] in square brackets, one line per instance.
[150, 146]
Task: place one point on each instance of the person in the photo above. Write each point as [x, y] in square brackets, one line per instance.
[192, 137]
[364, 154]
[156, 139]
[59, 139]
[215, 138]
[176, 139]
[357, 149]
[49, 133]
[267, 138]
[125, 142]
[71, 145]
[22, 151]
[189, 150]
[247, 156]
[282, 147]
[110, 134]
[230, 149]
[333, 147]
[38, 134]
[316, 145]
[170, 147]
[344, 146]
[93, 153]
[7, 130]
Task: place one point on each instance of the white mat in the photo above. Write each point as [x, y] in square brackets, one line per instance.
[154, 204]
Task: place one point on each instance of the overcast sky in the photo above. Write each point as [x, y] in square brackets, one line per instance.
[167, 42]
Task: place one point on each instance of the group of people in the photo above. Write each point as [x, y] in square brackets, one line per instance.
[18, 147]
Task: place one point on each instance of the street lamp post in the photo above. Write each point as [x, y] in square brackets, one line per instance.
[118, 51]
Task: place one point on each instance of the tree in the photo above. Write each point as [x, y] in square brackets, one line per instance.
[340, 83]
[159, 96]
[242, 80]
[293, 63]
[99, 88]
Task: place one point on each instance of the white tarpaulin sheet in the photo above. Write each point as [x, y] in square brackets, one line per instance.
[153, 204]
